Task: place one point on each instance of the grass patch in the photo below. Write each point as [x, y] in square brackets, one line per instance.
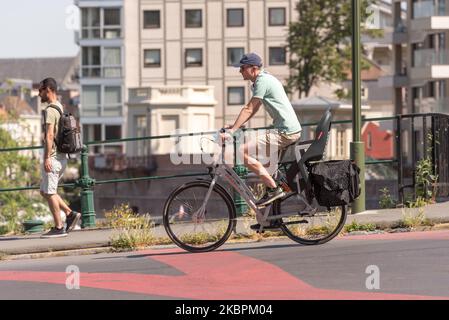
[134, 231]
[414, 217]
[355, 226]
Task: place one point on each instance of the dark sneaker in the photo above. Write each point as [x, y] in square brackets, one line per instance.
[72, 220]
[55, 233]
[270, 196]
[276, 224]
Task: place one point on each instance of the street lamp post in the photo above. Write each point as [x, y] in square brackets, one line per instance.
[357, 146]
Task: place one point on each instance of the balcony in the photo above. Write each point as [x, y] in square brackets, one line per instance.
[430, 64]
[98, 3]
[432, 104]
[173, 95]
[109, 72]
[428, 16]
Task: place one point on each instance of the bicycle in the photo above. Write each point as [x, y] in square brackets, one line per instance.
[200, 215]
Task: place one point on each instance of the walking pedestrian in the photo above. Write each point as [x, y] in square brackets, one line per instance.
[54, 162]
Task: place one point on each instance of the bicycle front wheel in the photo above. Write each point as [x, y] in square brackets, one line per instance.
[196, 226]
[309, 228]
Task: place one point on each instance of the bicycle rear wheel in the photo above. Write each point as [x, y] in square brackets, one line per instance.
[197, 230]
[309, 228]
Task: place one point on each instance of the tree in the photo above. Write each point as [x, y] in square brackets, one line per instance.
[320, 43]
[17, 170]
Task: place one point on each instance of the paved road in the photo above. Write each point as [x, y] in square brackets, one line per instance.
[408, 265]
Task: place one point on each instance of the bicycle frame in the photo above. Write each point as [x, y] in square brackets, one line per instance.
[230, 176]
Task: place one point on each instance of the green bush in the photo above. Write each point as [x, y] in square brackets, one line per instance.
[385, 200]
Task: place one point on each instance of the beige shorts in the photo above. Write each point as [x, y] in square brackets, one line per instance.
[265, 145]
[276, 141]
[49, 183]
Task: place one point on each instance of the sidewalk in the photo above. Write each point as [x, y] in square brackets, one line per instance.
[100, 238]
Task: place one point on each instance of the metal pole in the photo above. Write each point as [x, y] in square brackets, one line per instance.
[87, 194]
[399, 158]
[242, 171]
[357, 146]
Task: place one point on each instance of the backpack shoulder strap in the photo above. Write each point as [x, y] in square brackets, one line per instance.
[55, 107]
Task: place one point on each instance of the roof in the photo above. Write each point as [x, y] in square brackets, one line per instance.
[37, 69]
[374, 72]
[15, 103]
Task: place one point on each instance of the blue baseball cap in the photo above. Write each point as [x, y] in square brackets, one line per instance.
[251, 59]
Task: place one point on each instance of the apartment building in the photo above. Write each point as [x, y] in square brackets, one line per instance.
[421, 56]
[103, 91]
[131, 44]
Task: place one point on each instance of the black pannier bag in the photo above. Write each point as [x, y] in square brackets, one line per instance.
[335, 183]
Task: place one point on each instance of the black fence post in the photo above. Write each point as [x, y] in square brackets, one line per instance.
[399, 158]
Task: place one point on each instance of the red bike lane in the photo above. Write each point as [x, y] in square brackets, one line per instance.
[221, 275]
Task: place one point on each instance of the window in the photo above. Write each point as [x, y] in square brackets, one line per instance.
[152, 19]
[369, 143]
[364, 93]
[91, 101]
[100, 23]
[276, 16]
[90, 23]
[92, 132]
[194, 18]
[91, 62]
[234, 55]
[141, 131]
[112, 102]
[341, 143]
[194, 58]
[152, 58]
[236, 95]
[112, 61]
[277, 56]
[112, 23]
[94, 105]
[235, 18]
[113, 132]
[94, 66]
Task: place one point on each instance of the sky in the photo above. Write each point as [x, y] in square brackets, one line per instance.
[37, 28]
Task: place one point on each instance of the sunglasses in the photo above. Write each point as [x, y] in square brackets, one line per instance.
[244, 67]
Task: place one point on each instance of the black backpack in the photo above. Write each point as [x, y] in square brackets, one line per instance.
[68, 139]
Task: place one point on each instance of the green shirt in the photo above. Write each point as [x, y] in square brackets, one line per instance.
[272, 93]
[52, 117]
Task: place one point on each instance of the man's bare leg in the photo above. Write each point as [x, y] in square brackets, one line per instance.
[53, 204]
[63, 205]
[257, 167]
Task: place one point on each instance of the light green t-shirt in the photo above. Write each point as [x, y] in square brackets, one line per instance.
[52, 117]
[272, 93]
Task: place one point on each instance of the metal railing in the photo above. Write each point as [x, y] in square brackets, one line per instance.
[410, 137]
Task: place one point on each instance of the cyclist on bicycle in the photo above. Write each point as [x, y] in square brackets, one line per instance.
[269, 91]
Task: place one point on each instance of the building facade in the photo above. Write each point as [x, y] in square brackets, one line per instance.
[102, 55]
[420, 56]
[143, 43]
